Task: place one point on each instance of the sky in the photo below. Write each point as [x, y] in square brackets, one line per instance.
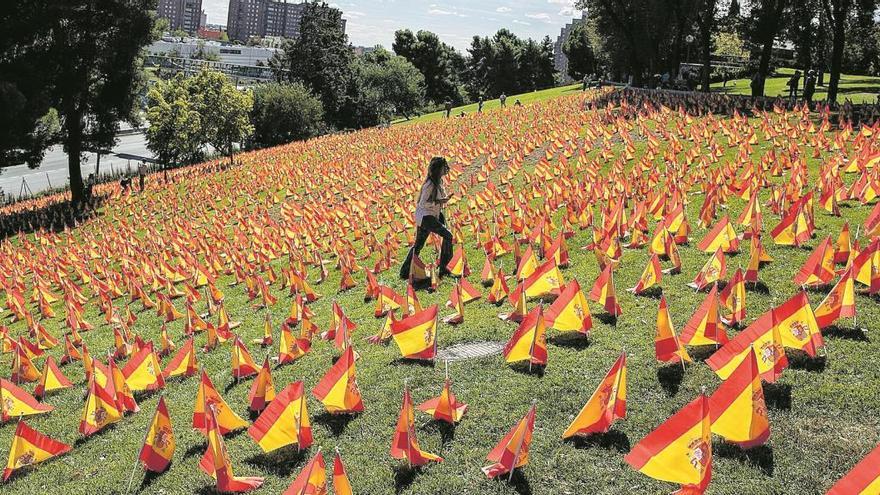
[372, 22]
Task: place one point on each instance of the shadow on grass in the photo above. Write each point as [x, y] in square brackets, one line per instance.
[651, 293]
[446, 430]
[777, 396]
[279, 462]
[412, 362]
[612, 440]
[606, 318]
[670, 378]
[702, 352]
[403, 477]
[336, 423]
[84, 440]
[848, 333]
[760, 457]
[518, 482]
[758, 288]
[524, 368]
[151, 476]
[571, 340]
[802, 361]
[197, 449]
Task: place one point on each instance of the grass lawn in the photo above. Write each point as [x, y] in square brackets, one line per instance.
[525, 98]
[823, 412]
[858, 89]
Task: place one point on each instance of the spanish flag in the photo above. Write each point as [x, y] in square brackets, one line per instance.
[733, 298]
[714, 270]
[455, 302]
[416, 335]
[570, 311]
[122, 393]
[866, 266]
[458, 265]
[651, 276]
[603, 292]
[529, 341]
[797, 325]
[818, 269]
[445, 407]
[545, 280]
[667, 347]
[517, 299]
[404, 444]
[605, 406]
[284, 422]
[739, 413]
[143, 371]
[338, 389]
[52, 379]
[864, 479]
[100, 410]
[216, 459]
[839, 303]
[158, 448]
[499, 290]
[764, 336]
[31, 447]
[291, 348]
[341, 484]
[513, 450]
[23, 369]
[15, 402]
[243, 364]
[679, 450]
[312, 480]
[224, 417]
[721, 236]
[705, 327]
[527, 264]
[388, 300]
[183, 363]
[263, 389]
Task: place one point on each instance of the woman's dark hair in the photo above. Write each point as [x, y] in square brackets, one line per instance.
[436, 169]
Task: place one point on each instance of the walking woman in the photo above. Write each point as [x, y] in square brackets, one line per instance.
[429, 216]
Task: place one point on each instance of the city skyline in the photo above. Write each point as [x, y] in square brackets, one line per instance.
[372, 22]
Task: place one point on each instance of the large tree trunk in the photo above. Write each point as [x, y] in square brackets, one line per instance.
[706, 34]
[836, 55]
[763, 67]
[73, 122]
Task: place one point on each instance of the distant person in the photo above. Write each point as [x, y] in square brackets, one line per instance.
[503, 100]
[429, 216]
[141, 180]
[586, 82]
[480, 105]
[810, 86]
[517, 103]
[448, 106]
[793, 83]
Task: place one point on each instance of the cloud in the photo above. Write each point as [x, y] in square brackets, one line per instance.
[438, 11]
[524, 23]
[541, 16]
[503, 10]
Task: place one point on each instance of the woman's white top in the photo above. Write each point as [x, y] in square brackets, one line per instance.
[426, 207]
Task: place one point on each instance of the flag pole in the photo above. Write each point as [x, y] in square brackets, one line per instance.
[519, 447]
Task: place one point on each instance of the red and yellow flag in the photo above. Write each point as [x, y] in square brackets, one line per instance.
[100, 410]
[338, 389]
[52, 379]
[739, 413]
[733, 298]
[341, 484]
[183, 363]
[679, 450]
[603, 292]
[404, 444]
[416, 335]
[513, 450]
[529, 342]
[243, 364]
[31, 447]
[207, 399]
[285, 421]
[714, 270]
[605, 406]
[158, 448]
[143, 371]
[570, 311]
[312, 480]
[667, 347]
[863, 479]
[705, 327]
[651, 276]
[216, 462]
[839, 303]
[797, 325]
[764, 336]
[262, 391]
[445, 407]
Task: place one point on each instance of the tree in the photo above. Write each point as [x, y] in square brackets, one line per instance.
[175, 130]
[438, 62]
[223, 108]
[706, 23]
[283, 113]
[579, 50]
[838, 12]
[766, 21]
[479, 65]
[321, 58]
[80, 57]
[400, 84]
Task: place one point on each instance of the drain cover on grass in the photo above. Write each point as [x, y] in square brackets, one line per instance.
[470, 351]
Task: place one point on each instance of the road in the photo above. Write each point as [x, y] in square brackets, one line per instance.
[129, 152]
